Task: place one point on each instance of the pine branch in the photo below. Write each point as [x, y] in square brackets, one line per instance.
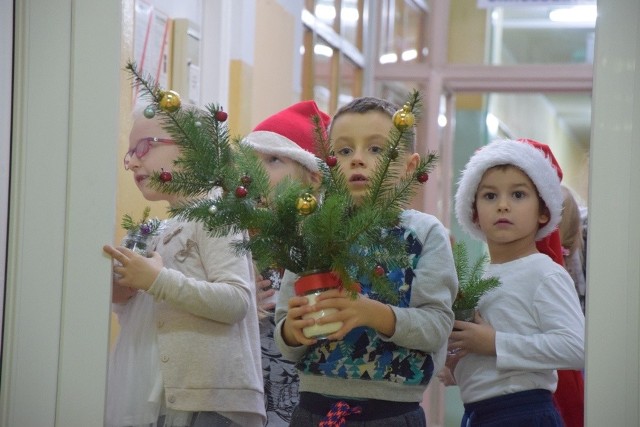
[145, 226]
[471, 285]
[400, 142]
[149, 88]
[289, 225]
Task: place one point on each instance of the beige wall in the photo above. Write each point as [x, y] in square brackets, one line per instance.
[276, 60]
[466, 43]
[241, 119]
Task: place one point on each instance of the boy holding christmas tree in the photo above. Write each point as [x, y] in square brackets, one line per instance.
[374, 369]
[505, 363]
[284, 143]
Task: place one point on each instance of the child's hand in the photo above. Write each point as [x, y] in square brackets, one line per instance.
[121, 294]
[293, 324]
[446, 376]
[135, 270]
[473, 337]
[354, 312]
[264, 291]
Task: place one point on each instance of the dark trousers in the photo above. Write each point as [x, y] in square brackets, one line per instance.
[313, 408]
[531, 408]
[206, 419]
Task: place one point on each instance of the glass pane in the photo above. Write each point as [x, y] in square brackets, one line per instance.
[350, 22]
[325, 11]
[322, 55]
[395, 91]
[543, 35]
[402, 32]
[552, 116]
[350, 81]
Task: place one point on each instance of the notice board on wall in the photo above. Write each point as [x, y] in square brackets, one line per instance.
[152, 43]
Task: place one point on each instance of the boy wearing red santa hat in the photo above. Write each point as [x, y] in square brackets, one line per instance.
[285, 144]
[506, 362]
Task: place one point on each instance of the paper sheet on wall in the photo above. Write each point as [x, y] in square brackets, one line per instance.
[152, 39]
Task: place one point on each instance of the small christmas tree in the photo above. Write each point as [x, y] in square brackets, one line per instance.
[290, 226]
[139, 232]
[471, 284]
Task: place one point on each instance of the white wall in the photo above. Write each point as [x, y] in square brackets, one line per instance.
[613, 304]
[6, 49]
[64, 134]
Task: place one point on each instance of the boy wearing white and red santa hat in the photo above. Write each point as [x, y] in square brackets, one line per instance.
[532, 325]
[285, 143]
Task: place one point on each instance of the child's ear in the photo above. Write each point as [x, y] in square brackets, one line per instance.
[413, 161]
[544, 216]
[315, 179]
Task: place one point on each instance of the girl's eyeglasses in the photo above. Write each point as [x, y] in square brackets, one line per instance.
[142, 148]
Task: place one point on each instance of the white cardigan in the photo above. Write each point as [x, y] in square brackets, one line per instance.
[207, 327]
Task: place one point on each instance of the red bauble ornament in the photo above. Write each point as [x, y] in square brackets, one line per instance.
[165, 176]
[221, 116]
[423, 177]
[241, 192]
[379, 270]
[331, 161]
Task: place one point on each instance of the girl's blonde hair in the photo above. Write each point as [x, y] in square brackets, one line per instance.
[570, 226]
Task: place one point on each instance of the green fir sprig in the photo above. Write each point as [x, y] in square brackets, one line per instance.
[145, 226]
[291, 225]
[471, 283]
[202, 134]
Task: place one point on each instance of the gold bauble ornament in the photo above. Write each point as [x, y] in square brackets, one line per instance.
[306, 204]
[404, 118]
[170, 101]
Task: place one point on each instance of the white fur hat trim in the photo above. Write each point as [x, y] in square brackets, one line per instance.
[530, 160]
[267, 142]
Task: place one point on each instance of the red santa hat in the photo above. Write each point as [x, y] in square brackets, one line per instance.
[533, 158]
[290, 133]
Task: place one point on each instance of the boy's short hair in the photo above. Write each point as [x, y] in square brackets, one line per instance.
[366, 104]
[533, 158]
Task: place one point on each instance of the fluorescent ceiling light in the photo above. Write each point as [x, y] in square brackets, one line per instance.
[442, 120]
[328, 13]
[388, 58]
[585, 13]
[493, 124]
[409, 55]
[323, 49]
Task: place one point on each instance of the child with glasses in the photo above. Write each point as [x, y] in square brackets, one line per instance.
[142, 147]
[188, 353]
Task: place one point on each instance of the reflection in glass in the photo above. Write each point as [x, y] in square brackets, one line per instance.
[402, 35]
[542, 35]
[350, 81]
[322, 54]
